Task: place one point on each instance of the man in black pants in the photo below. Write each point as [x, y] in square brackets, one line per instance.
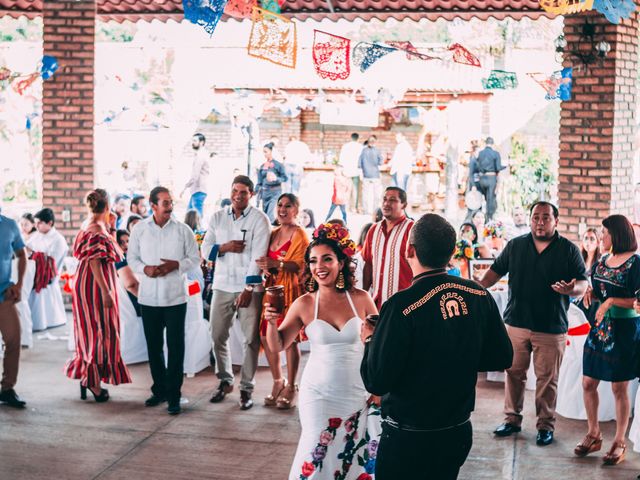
[489, 166]
[161, 251]
[431, 341]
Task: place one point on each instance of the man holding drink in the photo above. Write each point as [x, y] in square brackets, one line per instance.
[236, 237]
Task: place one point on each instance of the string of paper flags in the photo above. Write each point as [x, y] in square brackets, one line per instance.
[20, 82]
[614, 10]
[273, 38]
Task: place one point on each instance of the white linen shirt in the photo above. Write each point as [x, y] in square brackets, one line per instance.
[236, 270]
[148, 244]
[402, 159]
[349, 158]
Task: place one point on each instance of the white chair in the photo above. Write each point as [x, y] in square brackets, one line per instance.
[570, 399]
[634, 431]
[71, 265]
[24, 312]
[197, 339]
[133, 345]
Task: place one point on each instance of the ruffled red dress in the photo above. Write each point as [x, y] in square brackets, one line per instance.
[96, 327]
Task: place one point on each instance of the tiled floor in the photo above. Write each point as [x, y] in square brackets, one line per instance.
[61, 437]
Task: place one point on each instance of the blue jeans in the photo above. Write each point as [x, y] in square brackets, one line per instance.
[295, 176]
[197, 201]
[401, 182]
[269, 201]
[343, 210]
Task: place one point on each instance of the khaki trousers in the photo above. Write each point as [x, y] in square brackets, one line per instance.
[547, 352]
[10, 330]
[223, 311]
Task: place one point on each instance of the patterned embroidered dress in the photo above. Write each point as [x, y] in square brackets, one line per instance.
[340, 433]
[612, 349]
[96, 327]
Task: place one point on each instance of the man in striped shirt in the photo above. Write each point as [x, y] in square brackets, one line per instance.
[386, 270]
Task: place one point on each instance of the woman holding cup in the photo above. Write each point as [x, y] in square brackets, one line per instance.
[334, 414]
[281, 269]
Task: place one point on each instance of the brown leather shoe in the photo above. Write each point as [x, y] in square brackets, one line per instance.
[588, 445]
[223, 389]
[245, 400]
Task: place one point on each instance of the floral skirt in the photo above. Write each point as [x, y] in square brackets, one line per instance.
[345, 449]
[612, 350]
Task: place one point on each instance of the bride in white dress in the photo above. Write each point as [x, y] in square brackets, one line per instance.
[340, 431]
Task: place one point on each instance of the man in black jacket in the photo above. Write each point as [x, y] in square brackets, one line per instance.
[429, 344]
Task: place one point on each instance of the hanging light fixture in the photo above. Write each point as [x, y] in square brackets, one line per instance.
[588, 49]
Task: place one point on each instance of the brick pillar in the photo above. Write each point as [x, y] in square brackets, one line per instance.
[67, 159]
[597, 127]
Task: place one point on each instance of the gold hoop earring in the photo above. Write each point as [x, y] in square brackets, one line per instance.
[340, 281]
[312, 285]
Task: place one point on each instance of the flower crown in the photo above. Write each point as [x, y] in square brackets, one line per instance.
[337, 233]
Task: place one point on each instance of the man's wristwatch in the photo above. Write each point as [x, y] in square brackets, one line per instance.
[368, 339]
[249, 288]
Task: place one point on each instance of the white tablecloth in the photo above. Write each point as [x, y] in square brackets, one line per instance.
[133, 345]
[24, 312]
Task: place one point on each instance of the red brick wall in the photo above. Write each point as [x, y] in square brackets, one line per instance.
[597, 127]
[68, 169]
[330, 138]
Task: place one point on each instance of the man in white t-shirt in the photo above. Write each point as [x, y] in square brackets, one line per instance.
[401, 162]
[349, 157]
[296, 154]
[197, 183]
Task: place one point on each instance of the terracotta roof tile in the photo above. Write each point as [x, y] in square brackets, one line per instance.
[316, 9]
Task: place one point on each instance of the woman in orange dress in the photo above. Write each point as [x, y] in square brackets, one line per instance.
[283, 265]
[96, 321]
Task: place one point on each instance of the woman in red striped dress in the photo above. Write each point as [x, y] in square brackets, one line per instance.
[96, 321]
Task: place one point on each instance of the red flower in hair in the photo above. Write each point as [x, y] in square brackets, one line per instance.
[337, 233]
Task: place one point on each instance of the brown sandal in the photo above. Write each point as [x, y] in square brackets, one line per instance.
[588, 445]
[287, 398]
[611, 458]
[270, 400]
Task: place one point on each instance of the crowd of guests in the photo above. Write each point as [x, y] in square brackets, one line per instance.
[333, 289]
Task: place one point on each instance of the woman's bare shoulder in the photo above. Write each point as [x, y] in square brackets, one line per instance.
[359, 293]
[362, 298]
[303, 301]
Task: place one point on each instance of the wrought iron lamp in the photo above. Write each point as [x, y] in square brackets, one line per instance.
[588, 49]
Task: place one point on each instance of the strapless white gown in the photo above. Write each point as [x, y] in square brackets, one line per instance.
[332, 403]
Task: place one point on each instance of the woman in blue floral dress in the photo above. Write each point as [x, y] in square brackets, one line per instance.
[612, 349]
